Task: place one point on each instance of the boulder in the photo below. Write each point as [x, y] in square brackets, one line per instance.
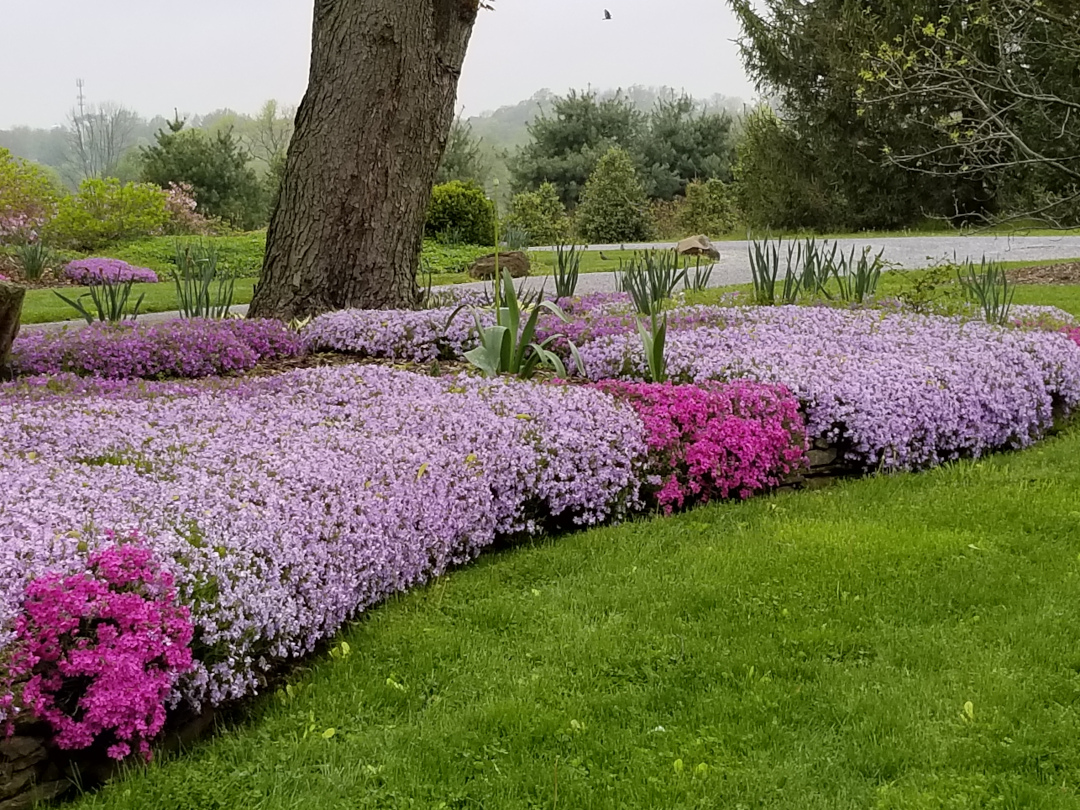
[515, 261]
[11, 301]
[697, 246]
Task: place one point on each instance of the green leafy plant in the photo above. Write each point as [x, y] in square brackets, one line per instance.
[857, 280]
[195, 277]
[651, 278]
[107, 211]
[516, 238]
[541, 214]
[461, 209]
[698, 280]
[33, 258]
[508, 347]
[614, 207]
[567, 269]
[653, 341]
[989, 287]
[109, 300]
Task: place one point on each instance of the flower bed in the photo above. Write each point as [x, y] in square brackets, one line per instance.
[107, 271]
[901, 391]
[188, 348]
[422, 336]
[284, 505]
[715, 441]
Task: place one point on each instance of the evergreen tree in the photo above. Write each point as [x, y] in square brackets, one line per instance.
[614, 207]
[215, 166]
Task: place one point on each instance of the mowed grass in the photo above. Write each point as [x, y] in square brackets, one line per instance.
[909, 641]
[43, 306]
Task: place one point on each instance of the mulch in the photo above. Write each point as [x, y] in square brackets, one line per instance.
[1064, 273]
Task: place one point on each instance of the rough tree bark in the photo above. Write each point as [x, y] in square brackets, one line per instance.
[11, 301]
[369, 135]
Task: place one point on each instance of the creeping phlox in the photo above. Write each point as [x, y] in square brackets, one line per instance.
[108, 271]
[715, 440]
[180, 348]
[97, 653]
[285, 505]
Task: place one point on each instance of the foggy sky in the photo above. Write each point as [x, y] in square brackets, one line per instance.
[201, 55]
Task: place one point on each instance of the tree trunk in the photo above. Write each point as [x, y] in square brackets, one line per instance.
[11, 301]
[369, 135]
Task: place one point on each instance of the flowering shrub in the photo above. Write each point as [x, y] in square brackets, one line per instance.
[97, 653]
[180, 348]
[108, 271]
[715, 440]
[107, 211]
[28, 198]
[182, 210]
[287, 504]
[903, 391]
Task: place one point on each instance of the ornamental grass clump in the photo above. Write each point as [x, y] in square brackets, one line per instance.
[188, 349]
[715, 440]
[97, 653]
[287, 504]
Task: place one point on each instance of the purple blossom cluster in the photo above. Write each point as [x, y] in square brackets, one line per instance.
[715, 440]
[97, 653]
[107, 271]
[897, 390]
[284, 505]
[444, 333]
[178, 348]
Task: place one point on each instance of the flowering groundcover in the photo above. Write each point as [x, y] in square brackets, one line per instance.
[108, 271]
[179, 348]
[284, 505]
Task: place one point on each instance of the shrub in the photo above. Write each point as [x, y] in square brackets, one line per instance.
[439, 258]
[107, 211]
[464, 209]
[184, 216]
[707, 209]
[216, 169]
[28, 198]
[98, 653]
[614, 207]
[112, 271]
[541, 214]
[716, 440]
[187, 348]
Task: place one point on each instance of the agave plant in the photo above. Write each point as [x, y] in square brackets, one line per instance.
[508, 347]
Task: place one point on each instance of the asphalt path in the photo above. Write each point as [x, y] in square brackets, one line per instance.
[907, 252]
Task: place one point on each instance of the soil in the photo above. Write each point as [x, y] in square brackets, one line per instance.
[1065, 273]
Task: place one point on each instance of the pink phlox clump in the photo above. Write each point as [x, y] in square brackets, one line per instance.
[98, 653]
[108, 271]
[1072, 333]
[715, 440]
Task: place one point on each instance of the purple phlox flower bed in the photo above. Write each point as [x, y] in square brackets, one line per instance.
[284, 505]
[715, 440]
[443, 333]
[902, 391]
[108, 271]
[178, 348]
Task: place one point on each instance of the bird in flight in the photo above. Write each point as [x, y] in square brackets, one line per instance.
[607, 14]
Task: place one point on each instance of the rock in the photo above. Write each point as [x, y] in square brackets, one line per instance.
[515, 261]
[11, 301]
[822, 458]
[697, 246]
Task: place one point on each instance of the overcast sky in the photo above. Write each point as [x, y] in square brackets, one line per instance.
[201, 55]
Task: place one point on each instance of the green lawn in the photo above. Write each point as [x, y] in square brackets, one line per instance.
[42, 306]
[908, 641]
